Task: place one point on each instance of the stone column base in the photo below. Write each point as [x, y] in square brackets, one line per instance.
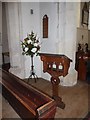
[70, 79]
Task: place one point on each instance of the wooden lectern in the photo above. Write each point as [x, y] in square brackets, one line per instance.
[56, 65]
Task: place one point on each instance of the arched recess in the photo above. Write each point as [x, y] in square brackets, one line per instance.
[45, 26]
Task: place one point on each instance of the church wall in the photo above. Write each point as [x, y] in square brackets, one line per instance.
[31, 22]
[12, 16]
[64, 23]
[82, 30]
[34, 22]
[62, 28]
[55, 33]
[48, 44]
[5, 47]
[70, 42]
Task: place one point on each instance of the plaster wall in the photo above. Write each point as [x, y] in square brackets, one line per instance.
[70, 42]
[80, 32]
[5, 47]
[31, 22]
[70, 31]
[65, 22]
[61, 23]
[12, 16]
[82, 29]
[62, 31]
[34, 22]
[48, 44]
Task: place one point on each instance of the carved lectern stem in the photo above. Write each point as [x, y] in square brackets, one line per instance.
[56, 65]
[55, 82]
[55, 95]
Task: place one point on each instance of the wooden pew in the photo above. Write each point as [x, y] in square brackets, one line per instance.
[26, 100]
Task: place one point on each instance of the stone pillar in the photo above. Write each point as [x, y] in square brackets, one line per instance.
[69, 21]
[61, 27]
[16, 62]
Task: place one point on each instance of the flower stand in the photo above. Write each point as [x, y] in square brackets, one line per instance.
[32, 72]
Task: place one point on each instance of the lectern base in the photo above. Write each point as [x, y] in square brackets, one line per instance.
[59, 102]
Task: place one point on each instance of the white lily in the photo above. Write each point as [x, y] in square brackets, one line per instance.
[34, 50]
[24, 46]
[37, 37]
[26, 49]
[35, 44]
[29, 41]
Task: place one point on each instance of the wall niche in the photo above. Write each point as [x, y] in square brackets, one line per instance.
[45, 26]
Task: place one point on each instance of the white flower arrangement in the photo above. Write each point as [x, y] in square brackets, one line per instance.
[30, 45]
